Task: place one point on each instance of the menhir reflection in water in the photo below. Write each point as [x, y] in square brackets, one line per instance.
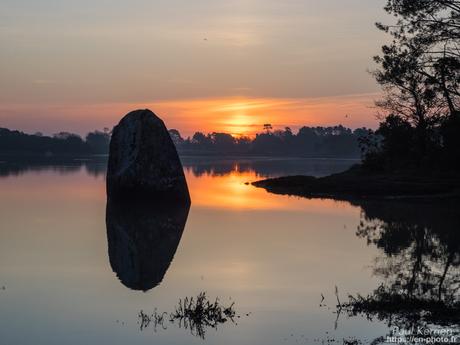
[142, 240]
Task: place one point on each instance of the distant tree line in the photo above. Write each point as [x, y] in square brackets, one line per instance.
[63, 143]
[336, 141]
[419, 72]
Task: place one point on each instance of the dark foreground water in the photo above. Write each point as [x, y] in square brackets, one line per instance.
[69, 277]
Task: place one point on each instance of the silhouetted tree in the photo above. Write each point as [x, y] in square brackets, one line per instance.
[70, 142]
[420, 76]
[408, 93]
[15, 142]
[223, 141]
[176, 137]
[307, 139]
[318, 141]
[243, 144]
[98, 141]
[397, 141]
[267, 143]
[431, 31]
[201, 139]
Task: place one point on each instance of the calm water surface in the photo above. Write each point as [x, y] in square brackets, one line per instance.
[272, 255]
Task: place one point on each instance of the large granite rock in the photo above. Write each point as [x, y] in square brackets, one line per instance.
[143, 161]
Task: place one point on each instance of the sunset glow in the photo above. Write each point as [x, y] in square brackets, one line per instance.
[246, 116]
[235, 115]
[229, 172]
[210, 66]
[230, 191]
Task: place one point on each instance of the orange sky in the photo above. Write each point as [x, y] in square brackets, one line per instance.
[235, 115]
[210, 65]
[246, 116]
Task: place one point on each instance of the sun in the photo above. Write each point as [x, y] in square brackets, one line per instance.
[239, 125]
[240, 117]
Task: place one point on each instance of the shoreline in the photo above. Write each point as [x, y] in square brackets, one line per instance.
[37, 156]
[355, 184]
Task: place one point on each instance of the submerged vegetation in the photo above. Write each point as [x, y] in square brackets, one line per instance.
[196, 314]
[403, 310]
[411, 320]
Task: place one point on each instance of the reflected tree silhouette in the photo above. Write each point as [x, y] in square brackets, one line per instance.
[196, 165]
[421, 246]
[420, 264]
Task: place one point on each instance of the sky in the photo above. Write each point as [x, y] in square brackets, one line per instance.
[208, 65]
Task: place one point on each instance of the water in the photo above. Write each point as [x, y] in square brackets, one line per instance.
[274, 256]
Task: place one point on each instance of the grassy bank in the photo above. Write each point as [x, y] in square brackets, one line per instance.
[356, 183]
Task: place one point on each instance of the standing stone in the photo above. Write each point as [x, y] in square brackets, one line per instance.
[143, 161]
